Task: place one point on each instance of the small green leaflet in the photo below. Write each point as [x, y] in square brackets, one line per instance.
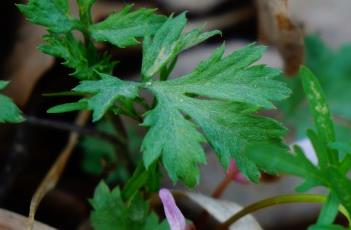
[76, 56]
[9, 112]
[169, 40]
[111, 212]
[234, 91]
[53, 14]
[125, 26]
[106, 92]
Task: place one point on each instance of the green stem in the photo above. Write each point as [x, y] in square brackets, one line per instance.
[282, 199]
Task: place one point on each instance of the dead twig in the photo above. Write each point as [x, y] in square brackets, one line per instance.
[56, 170]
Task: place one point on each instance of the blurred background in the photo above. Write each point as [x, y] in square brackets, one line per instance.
[314, 32]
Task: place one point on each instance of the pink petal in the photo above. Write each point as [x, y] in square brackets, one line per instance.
[173, 214]
[234, 173]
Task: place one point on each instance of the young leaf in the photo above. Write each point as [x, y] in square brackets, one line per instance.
[106, 91]
[53, 14]
[228, 125]
[76, 56]
[9, 112]
[125, 26]
[167, 43]
[110, 212]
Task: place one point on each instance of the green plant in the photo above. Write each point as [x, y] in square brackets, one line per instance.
[217, 103]
[333, 165]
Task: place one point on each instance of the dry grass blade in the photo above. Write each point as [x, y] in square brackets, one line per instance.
[276, 27]
[56, 170]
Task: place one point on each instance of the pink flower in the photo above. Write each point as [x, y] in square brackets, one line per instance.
[234, 173]
[174, 216]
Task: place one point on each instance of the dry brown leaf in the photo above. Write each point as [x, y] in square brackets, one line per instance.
[276, 27]
[56, 170]
[13, 221]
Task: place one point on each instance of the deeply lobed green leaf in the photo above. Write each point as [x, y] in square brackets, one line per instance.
[233, 90]
[125, 26]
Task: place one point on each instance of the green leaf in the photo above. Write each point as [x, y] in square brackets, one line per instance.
[110, 212]
[76, 56]
[329, 211]
[125, 26]
[318, 105]
[168, 42]
[177, 139]
[341, 185]
[106, 92]
[320, 148]
[9, 112]
[53, 14]
[321, 115]
[274, 159]
[211, 97]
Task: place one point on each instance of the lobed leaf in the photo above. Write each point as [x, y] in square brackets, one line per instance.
[53, 14]
[76, 56]
[106, 92]
[220, 96]
[125, 26]
[169, 40]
